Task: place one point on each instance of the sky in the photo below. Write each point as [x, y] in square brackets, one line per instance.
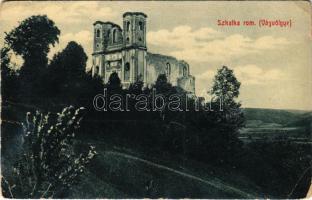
[274, 65]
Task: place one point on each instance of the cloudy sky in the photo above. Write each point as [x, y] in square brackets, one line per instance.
[274, 65]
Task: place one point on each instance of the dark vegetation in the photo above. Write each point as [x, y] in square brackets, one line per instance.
[205, 137]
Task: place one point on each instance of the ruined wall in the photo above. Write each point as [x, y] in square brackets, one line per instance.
[177, 71]
[187, 83]
[159, 64]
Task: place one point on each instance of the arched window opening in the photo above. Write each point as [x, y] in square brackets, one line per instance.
[141, 26]
[114, 36]
[98, 33]
[184, 71]
[127, 72]
[168, 70]
[128, 26]
[140, 77]
[97, 69]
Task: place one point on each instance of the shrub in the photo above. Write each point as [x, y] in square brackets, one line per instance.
[48, 165]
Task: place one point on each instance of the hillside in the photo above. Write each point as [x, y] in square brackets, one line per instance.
[120, 173]
[276, 116]
[304, 119]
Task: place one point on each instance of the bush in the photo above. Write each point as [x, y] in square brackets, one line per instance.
[48, 165]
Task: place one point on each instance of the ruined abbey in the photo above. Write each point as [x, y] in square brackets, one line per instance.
[124, 51]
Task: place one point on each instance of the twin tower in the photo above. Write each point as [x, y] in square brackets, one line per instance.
[121, 50]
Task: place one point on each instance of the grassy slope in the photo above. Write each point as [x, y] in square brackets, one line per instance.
[121, 173]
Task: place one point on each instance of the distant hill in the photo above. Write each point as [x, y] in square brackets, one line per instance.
[302, 120]
[282, 117]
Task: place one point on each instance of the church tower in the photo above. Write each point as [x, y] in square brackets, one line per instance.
[134, 54]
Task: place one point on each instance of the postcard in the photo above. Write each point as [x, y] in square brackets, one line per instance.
[156, 99]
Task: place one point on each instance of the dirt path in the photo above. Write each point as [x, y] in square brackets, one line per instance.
[217, 185]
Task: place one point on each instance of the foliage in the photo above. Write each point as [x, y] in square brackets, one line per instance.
[225, 85]
[48, 165]
[9, 82]
[163, 86]
[32, 40]
[71, 62]
[217, 129]
[136, 87]
[226, 88]
[114, 82]
[66, 79]
[5, 61]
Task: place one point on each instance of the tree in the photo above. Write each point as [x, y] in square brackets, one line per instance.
[225, 89]
[5, 62]
[136, 87]
[71, 62]
[48, 165]
[226, 86]
[66, 76]
[8, 75]
[230, 118]
[114, 82]
[163, 86]
[32, 40]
